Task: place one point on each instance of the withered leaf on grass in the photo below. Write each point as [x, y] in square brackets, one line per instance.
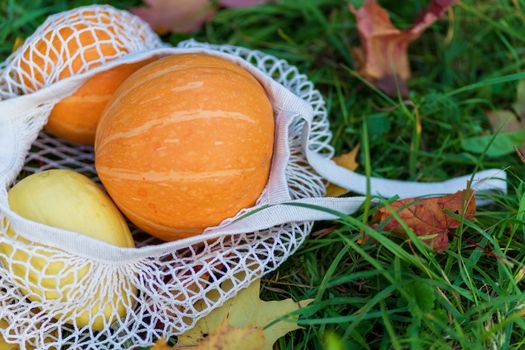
[183, 16]
[383, 56]
[507, 122]
[241, 3]
[429, 216]
[241, 320]
[19, 41]
[161, 344]
[346, 161]
[225, 337]
[175, 15]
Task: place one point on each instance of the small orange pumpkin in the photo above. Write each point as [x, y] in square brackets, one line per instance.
[75, 118]
[78, 40]
[184, 143]
[73, 44]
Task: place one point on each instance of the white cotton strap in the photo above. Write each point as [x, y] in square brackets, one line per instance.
[257, 219]
[315, 209]
[483, 182]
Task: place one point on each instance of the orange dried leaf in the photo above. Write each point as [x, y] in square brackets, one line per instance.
[18, 42]
[347, 161]
[161, 344]
[429, 216]
[383, 56]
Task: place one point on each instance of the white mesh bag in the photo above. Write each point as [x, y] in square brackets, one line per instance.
[164, 287]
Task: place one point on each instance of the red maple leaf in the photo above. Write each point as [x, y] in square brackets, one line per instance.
[429, 216]
[383, 56]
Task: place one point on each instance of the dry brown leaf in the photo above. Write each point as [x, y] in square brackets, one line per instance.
[520, 155]
[241, 3]
[519, 105]
[183, 16]
[175, 15]
[347, 161]
[502, 120]
[429, 216]
[383, 56]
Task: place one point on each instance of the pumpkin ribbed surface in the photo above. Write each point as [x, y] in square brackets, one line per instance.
[184, 143]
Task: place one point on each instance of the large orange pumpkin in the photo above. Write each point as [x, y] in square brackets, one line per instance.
[75, 118]
[184, 143]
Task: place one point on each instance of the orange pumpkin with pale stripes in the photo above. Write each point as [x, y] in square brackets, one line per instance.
[75, 118]
[184, 143]
[74, 45]
[77, 40]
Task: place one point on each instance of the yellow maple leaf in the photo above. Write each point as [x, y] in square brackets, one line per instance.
[346, 161]
[244, 318]
[223, 338]
[8, 346]
[3, 344]
[229, 338]
[161, 344]
[18, 42]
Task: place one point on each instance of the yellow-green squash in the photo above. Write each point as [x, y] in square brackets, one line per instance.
[70, 201]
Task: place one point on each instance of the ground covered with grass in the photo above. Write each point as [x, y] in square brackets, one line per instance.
[390, 292]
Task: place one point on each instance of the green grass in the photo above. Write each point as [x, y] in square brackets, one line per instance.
[391, 293]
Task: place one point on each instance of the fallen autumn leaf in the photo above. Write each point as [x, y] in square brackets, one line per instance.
[226, 337]
[428, 216]
[175, 16]
[241, 3]
[161, 344]
[502, 120]
[383, 56]
[184, 16]
[347, 161]
[246, 311]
